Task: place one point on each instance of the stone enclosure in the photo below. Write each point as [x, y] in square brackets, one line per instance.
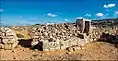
[67, 35]
[50, 37]
[61, 36]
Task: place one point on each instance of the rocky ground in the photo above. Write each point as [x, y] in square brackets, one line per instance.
[92, 51]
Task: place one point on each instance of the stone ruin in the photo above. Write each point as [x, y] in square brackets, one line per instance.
[8, 38]
[106, 34]
[61, 36]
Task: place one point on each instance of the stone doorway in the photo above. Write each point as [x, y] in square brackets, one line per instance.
[87, 27]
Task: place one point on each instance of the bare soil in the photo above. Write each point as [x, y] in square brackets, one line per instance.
[91, 51]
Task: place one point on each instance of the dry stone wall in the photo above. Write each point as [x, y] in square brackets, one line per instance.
[62, 36]
[58, 36]
[8, 38]
[100, 32]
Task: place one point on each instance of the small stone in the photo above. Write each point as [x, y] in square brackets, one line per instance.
[35, 49]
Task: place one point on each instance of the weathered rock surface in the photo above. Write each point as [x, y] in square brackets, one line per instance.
[61, 36]
[8, 38]
[69, 34]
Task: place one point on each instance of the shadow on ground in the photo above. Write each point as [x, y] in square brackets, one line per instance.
[106, 37]
[25, 43]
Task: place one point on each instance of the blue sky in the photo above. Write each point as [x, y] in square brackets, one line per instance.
[19, 12]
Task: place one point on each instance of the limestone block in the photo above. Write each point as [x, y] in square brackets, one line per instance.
[54, 45]
[8, 46]
[70, 43]
[35, 36]
[70, 49]
[45, 33]
[42, 40]
[5, 41]
[33, 43]
[82, 42]
[10, 33]
[64, 44]
[11, 41]
[74, 42]
[42, 37]
[45, 46]
[90, 40]
[50, 49]
[51, 45]
[77, 48]
[1, 46]
[14, 44]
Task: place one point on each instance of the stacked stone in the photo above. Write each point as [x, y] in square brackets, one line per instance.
[8, 39]
[95, 35]
[61, 36]
[97, 32]
[57, 36]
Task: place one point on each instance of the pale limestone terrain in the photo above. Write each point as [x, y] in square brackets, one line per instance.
[92, 51]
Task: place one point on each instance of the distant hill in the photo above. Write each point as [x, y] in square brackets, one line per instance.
[105, 22]
[101, 22]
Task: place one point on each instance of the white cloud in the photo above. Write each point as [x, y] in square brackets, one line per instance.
[66, 19]
[51, 15]
[116, 12]
[109, 5]
[1, 10]
[99, 14]
[88, 15]
[79, 18]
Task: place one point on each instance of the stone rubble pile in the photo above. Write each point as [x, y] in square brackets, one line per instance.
[67, 35]
[98, 32]
[8, 39]
[58, 36]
